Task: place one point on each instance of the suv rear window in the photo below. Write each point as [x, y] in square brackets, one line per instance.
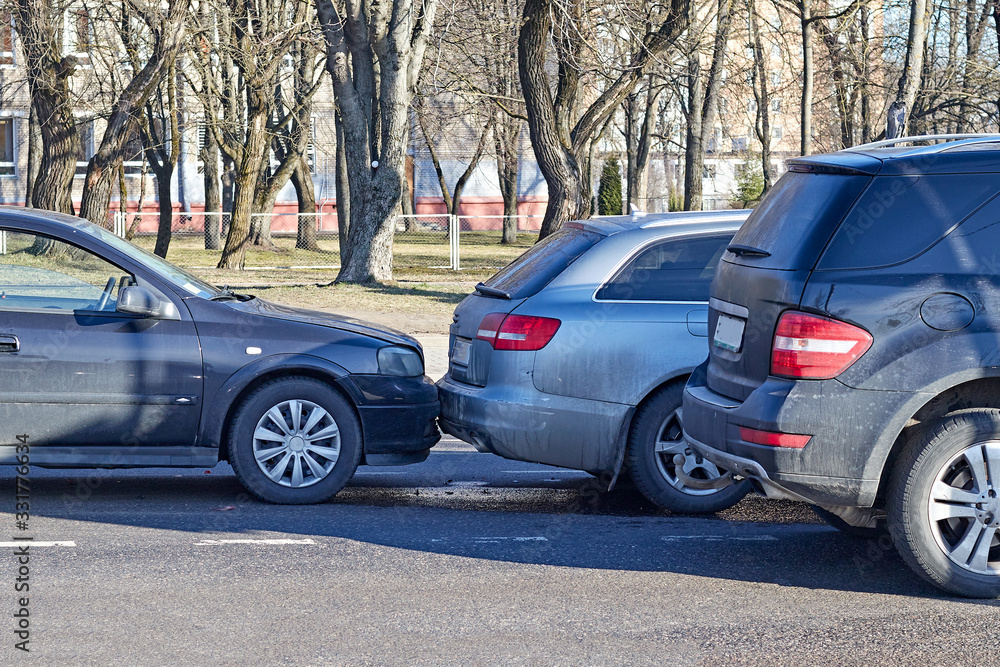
[796, 218]
[898, 217]
[545, 260]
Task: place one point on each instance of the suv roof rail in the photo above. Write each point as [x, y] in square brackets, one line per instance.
[969, 137]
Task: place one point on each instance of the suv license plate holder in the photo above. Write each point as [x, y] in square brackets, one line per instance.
[729, 332]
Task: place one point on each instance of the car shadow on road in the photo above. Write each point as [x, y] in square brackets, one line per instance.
[473, 526]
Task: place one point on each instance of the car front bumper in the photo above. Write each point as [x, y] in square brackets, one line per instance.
[398, 418]
[516, 421]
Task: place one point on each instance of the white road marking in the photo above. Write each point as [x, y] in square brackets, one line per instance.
[33, 543]
[720, 538]
[212, 543]
[487, 540]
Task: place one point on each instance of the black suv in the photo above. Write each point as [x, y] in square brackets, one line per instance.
[855, 357]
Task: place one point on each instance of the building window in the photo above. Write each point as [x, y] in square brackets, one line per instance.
[776, 132]
[79, 34]
[775, 77]
[708, 171]
[7, 164]
[6, 40]
[86, 130]
[776, 105]
[740, 144]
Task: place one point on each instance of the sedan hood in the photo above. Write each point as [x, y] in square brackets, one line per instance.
[332, 320]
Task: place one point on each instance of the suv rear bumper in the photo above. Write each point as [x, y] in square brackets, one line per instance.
[852, 432]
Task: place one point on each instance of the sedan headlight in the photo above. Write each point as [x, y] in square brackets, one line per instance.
[400, 361]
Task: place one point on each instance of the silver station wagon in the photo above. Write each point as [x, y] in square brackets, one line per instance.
[576, 354]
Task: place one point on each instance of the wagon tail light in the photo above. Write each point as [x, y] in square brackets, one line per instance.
[517, 332]
[815, 348]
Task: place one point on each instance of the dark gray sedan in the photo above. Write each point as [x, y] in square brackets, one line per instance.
[576, 354]
[112, 357]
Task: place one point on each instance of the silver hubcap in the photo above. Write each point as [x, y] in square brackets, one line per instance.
[670, 441]
[296, 443]
[964, 509]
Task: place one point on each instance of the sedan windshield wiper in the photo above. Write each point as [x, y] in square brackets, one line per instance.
[229, 295]
[742, 250]
[486, 290]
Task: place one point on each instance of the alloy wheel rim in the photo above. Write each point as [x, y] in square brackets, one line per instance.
[964, 508]
[296, 443]
[669, 442]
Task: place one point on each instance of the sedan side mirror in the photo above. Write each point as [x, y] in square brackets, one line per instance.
[136, 300]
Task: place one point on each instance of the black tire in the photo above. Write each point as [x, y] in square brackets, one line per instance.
[653, 472]
[305, 470]
[958, 458]
[846, 528]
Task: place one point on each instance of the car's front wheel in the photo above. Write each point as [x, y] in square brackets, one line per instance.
[944, 509]
[294, 441]
[654, 442]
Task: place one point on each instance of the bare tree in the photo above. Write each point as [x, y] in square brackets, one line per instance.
[762, 124]
[374, 53]
[237, 90]
[48, 73]
[562, 130]
[703, 101]
[167, 34]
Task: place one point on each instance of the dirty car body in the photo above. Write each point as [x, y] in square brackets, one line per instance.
[112, 357]
[626, 298]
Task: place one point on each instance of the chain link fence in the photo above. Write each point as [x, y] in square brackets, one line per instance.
[310, 241]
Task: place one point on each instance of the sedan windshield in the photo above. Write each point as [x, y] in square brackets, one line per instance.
[172, 274]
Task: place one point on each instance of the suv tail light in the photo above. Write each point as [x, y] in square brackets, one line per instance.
[517, 332]
[816, 348]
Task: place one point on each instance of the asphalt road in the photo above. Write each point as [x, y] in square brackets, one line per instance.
[466, 559]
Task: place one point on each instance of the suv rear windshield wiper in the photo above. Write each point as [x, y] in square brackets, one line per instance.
[486, 290]
[742, 250]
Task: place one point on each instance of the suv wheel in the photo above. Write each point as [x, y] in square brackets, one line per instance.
[654, 440]
[944, 509]
[294, 441]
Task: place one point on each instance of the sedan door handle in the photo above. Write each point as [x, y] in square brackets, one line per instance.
[9, 343]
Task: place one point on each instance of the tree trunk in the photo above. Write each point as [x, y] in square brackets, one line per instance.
[808, 74]
[644, 147]
[247, 177]
[694, 151]
[763, 97]
[343, 193]
[505, 137]
[913, 65]
[305, 193]
[213, 196]
[51, 103]
[442, 182]
[164, 229]
[34, 156]
[865, 88]
[456, 198]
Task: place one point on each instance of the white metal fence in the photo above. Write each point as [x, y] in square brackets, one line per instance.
[431, 241]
